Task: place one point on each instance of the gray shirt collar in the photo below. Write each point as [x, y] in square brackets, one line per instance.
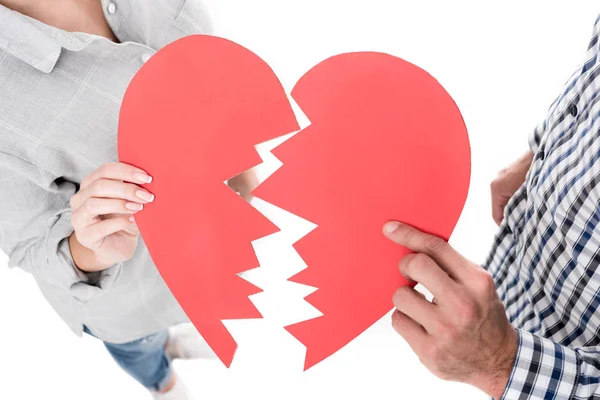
[33, 42]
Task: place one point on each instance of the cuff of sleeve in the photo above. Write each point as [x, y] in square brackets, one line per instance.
[542, 370]
[60, 266]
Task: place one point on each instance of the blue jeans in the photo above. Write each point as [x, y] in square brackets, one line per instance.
[144, 359]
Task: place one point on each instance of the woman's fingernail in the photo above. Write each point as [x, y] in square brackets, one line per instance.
[143, 178]
[145, 195]
[134, 206]
[131, 219]
[390, 227]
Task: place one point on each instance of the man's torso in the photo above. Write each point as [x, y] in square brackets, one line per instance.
[546, 256]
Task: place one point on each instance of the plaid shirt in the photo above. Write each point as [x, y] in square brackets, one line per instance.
[546, 257]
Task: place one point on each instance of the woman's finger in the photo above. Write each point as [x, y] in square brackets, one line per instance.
[106, 188]
[87, 214]
[117, 171]
[98, 231]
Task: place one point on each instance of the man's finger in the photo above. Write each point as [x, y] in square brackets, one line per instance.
[498, 205]
[409, 302]
[414, 334]
[419, 242]
[421, 268]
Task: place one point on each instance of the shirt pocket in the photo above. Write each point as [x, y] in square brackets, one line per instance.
[193, 18]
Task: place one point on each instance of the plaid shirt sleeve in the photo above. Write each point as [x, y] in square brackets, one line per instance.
[546, 370]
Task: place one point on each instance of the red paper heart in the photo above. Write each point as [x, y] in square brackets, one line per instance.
[386, 142]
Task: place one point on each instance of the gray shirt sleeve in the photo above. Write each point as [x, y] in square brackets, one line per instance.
[35, 223]
[59, 107]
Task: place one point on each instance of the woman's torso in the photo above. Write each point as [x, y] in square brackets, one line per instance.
[61, 95]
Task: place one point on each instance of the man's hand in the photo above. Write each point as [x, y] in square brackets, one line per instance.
[463, 335]
[509, 180]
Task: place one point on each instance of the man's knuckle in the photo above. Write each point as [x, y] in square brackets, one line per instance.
[442, 330]
[419, 260]
[400, 296]
[405, 235]
[432, 353]
[449, 341]
[496, 183]
[409, 264]
[485, 282]
[446, 331]
[397, 321]
[497, 213]
[434, 244]
[467, 314]
[415, 263]
[464, 304]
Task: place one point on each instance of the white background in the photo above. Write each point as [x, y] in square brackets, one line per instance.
[503, 62]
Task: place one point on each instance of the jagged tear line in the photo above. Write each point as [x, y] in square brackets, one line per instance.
[296, 108]
[239, 274]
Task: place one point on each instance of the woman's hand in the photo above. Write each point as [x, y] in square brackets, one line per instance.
[244, 184]
[103, 209]
[509, 180]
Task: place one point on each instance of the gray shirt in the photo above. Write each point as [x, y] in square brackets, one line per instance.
[60, 95]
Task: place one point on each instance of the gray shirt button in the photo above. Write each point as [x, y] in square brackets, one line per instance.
[112, 8]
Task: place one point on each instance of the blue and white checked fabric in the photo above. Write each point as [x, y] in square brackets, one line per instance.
[546, 258]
